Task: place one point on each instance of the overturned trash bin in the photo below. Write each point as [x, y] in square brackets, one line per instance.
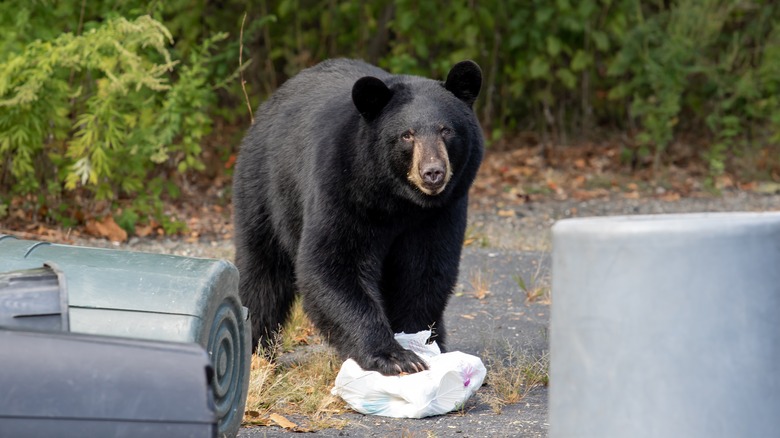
[74, 385]
[666, 326]
[157, 297]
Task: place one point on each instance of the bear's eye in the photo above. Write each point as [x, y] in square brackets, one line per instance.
[445, 131]
[407, 136]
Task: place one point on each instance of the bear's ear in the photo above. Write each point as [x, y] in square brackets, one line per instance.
[370, 95]
[464, 81]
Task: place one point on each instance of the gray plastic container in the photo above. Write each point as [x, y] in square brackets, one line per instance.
[154, 296]
[34, 299]
[666, 326]
[71, 385]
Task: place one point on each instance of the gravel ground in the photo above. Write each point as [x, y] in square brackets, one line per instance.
[524, 227]
[503, 242]
[527, 227]
[512, 245]
[489, 320]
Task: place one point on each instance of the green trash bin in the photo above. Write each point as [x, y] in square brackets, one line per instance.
[154, 296]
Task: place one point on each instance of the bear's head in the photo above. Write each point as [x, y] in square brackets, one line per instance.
[426, 128]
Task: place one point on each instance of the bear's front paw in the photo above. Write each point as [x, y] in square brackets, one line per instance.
[394, 362]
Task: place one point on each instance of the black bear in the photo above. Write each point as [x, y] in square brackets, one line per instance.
[351, 187]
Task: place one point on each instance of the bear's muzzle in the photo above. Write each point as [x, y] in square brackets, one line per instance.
[430, 170]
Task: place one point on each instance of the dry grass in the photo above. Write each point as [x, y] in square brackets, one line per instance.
[511, 375]
[537, 288]
[299, 330]
[474, 236]
[295, 389]
[296, 395]
[480, 280]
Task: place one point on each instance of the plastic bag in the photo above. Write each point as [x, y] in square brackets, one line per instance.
[451, 379]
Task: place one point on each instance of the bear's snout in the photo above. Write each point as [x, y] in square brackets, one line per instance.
[430, 168]
[433, 175]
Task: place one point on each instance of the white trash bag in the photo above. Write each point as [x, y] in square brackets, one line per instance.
[451, 379]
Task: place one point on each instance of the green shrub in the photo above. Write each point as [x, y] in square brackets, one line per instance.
[706, 66]
[105, 100]
[98, 112]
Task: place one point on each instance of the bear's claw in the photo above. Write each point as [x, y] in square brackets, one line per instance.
[394, 363]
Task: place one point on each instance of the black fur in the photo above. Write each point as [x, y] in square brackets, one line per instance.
[323, 205]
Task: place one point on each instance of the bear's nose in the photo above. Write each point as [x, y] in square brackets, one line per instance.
[433, 174]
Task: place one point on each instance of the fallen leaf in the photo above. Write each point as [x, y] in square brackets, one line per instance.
[583, 195]
[481, 294]
[748, 186]
[231, 161]
[506, 213]
[724, 181]
[143, 230]
[670, 196]
[467, 316]
[115, 233]
[283, 422]
[19, 214]
[91, 228]
[106, 228]
[253, 418]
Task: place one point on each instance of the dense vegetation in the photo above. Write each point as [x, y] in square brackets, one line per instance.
[108, 104]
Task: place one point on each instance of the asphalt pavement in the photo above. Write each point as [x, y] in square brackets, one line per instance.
[482, 324]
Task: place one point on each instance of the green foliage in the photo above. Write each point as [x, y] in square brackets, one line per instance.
[97, 113]
[700, 60]
[102, 100]
[744, 84]
[34, 86]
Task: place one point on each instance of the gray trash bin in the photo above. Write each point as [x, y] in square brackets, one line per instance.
[666, 326]
[153, 296]
[86, 386]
